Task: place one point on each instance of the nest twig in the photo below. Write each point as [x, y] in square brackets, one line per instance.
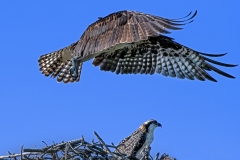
[78, 149]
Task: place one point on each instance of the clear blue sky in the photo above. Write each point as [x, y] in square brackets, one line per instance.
[200, 119]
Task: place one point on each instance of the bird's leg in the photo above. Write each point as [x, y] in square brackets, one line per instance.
[73, 69]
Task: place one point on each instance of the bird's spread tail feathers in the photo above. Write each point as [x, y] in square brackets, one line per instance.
[58, 64]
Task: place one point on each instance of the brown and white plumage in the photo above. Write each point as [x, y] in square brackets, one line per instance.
[133, 145]
[58, 63]
[164, 56]
[130, 42]
[121, 28]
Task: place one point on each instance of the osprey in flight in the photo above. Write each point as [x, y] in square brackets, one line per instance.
[134, 144]
[130, 42]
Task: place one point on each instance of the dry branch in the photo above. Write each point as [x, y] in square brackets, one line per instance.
[78, 150]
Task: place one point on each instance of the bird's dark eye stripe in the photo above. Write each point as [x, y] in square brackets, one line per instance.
[154, 122]
[151, 122]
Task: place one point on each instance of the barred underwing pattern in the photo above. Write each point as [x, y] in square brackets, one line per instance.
[164, 56]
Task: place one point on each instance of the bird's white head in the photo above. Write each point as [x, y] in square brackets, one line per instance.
[150, 125]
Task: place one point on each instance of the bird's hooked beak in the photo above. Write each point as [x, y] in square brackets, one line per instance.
[159, 125]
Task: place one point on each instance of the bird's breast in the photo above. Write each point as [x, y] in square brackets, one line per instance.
[149, 138]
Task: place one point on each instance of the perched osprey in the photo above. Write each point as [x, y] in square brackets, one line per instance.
[130, 42]
[134, 144]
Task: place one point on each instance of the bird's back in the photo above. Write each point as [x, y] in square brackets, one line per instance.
[123, 27]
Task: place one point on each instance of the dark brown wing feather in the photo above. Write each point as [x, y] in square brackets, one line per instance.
[130, 145]
[164, 56]
[124, 27]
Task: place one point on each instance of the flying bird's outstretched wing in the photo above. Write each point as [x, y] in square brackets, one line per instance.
[164, 56]
[125, 27]
[130, 42]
